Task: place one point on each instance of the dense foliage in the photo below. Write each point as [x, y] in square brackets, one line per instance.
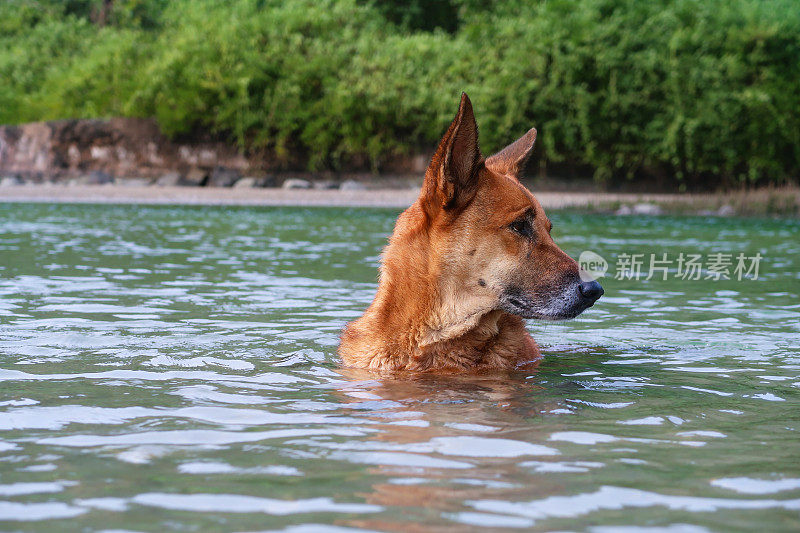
[697, 92]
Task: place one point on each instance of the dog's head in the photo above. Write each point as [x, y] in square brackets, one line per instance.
[490, 235]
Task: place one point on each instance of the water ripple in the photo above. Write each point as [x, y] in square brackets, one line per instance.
[167, 368]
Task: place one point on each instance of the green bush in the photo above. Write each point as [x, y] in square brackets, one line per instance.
[689, 92]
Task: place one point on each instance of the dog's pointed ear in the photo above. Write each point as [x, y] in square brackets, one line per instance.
[511, 160]
[452, 176]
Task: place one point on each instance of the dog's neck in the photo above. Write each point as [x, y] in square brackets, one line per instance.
[449, 336]
[453, 314]
[440, 311]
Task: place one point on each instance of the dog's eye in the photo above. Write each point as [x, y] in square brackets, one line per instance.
[523, 227]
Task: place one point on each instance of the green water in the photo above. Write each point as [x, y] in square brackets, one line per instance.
[174, 369]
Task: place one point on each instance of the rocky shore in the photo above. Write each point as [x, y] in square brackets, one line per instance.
[126, 160]
[130, 151]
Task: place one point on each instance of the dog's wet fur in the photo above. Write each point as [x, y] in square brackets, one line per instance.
[467, 262]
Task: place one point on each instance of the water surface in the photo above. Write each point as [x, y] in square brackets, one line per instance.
[174, 369]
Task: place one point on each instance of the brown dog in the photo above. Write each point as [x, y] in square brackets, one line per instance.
[466, 263]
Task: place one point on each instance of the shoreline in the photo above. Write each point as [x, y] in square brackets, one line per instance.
[782, 202]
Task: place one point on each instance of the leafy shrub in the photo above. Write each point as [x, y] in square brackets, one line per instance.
[690, 92]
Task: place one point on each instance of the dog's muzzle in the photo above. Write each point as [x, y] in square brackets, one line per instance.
[561, 303]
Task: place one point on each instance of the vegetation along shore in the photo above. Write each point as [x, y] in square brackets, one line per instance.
[681, 94]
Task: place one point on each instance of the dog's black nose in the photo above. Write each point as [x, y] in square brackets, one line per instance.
[590, 290]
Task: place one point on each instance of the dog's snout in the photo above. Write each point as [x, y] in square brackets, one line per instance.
[590, 290]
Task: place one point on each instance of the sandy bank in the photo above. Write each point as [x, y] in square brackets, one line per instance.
[288, 197]
[779, 201]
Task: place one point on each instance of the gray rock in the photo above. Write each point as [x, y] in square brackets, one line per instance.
[726, 211]
[352, 185]
[170, 179]
[623, 210]
[96, 177]
[647, 209]
[325, 185]
[248, 182]
[196, 177]
[223, 177]
[10, 181]
[295, 183]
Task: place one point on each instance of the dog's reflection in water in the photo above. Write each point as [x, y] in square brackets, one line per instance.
[444, 440]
